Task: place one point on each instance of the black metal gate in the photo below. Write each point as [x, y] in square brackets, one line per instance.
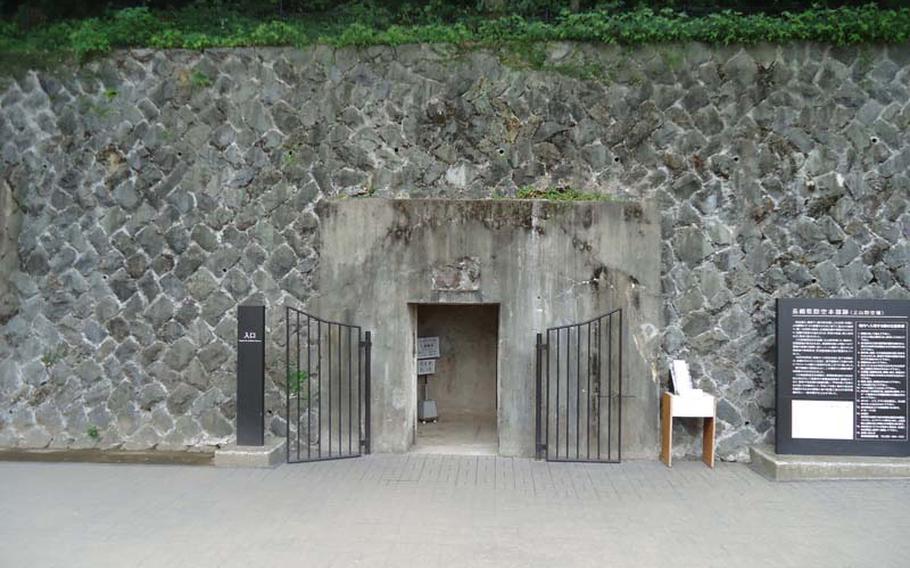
[579, 391]
[328, 388]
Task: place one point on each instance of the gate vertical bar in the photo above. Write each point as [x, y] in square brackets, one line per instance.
[558, 350]
[600, 382]
[360, 343]
[619, 416]
[537, 400]
[367, 399]
[610, 386]
[329, 357]
[350, 392]
[340, 394]
[309, 396]
[547, 413]
[588, 395]
[600, 377]
[577, 390]
[319, 389]
[287, 363]
[568, 372]
[297, 382]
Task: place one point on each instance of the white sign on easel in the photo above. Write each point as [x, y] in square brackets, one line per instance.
[427, 347]
[682, 381]
[426, 366]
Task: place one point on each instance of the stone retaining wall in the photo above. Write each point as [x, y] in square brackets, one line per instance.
[156, 190]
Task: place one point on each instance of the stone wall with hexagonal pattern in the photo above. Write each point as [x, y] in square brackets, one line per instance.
[146, 194]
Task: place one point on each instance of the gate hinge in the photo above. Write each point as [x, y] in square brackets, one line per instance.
[542, 347]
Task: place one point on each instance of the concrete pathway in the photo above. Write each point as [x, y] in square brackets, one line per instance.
[441, 511]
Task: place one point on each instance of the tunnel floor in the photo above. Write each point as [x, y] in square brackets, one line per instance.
[462, 434]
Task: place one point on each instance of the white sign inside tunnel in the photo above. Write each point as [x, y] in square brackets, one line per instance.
[427, 347]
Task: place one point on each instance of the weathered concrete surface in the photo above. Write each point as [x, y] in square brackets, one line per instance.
[545, 264]
[780, 467]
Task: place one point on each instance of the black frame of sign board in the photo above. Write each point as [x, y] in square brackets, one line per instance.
[785, 443]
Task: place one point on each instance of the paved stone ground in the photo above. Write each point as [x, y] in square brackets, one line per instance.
[440, 511]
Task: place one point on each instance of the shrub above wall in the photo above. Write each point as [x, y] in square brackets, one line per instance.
[201, 25]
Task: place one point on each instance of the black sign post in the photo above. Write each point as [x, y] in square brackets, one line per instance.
[842, 377]
[250, 375]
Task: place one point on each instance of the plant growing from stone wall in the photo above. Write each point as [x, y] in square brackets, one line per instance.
[297, 382]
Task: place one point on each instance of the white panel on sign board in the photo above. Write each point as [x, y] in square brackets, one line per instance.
[426, 366]
[682, 381]
[427, 347]
[822, 419]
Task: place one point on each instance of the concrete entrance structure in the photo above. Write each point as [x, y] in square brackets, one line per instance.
[543, 263]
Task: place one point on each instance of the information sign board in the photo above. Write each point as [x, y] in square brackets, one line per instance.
[842, 377]
[427, 347]
[426, 366]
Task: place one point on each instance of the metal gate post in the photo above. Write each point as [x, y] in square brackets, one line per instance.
[368, 348]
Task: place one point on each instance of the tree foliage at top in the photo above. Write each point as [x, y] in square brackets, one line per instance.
[42, 11]
[83, 29]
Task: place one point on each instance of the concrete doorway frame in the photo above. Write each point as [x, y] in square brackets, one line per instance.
[413, 309]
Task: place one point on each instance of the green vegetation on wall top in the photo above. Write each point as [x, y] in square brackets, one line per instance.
[559, 194]
[213, 24]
